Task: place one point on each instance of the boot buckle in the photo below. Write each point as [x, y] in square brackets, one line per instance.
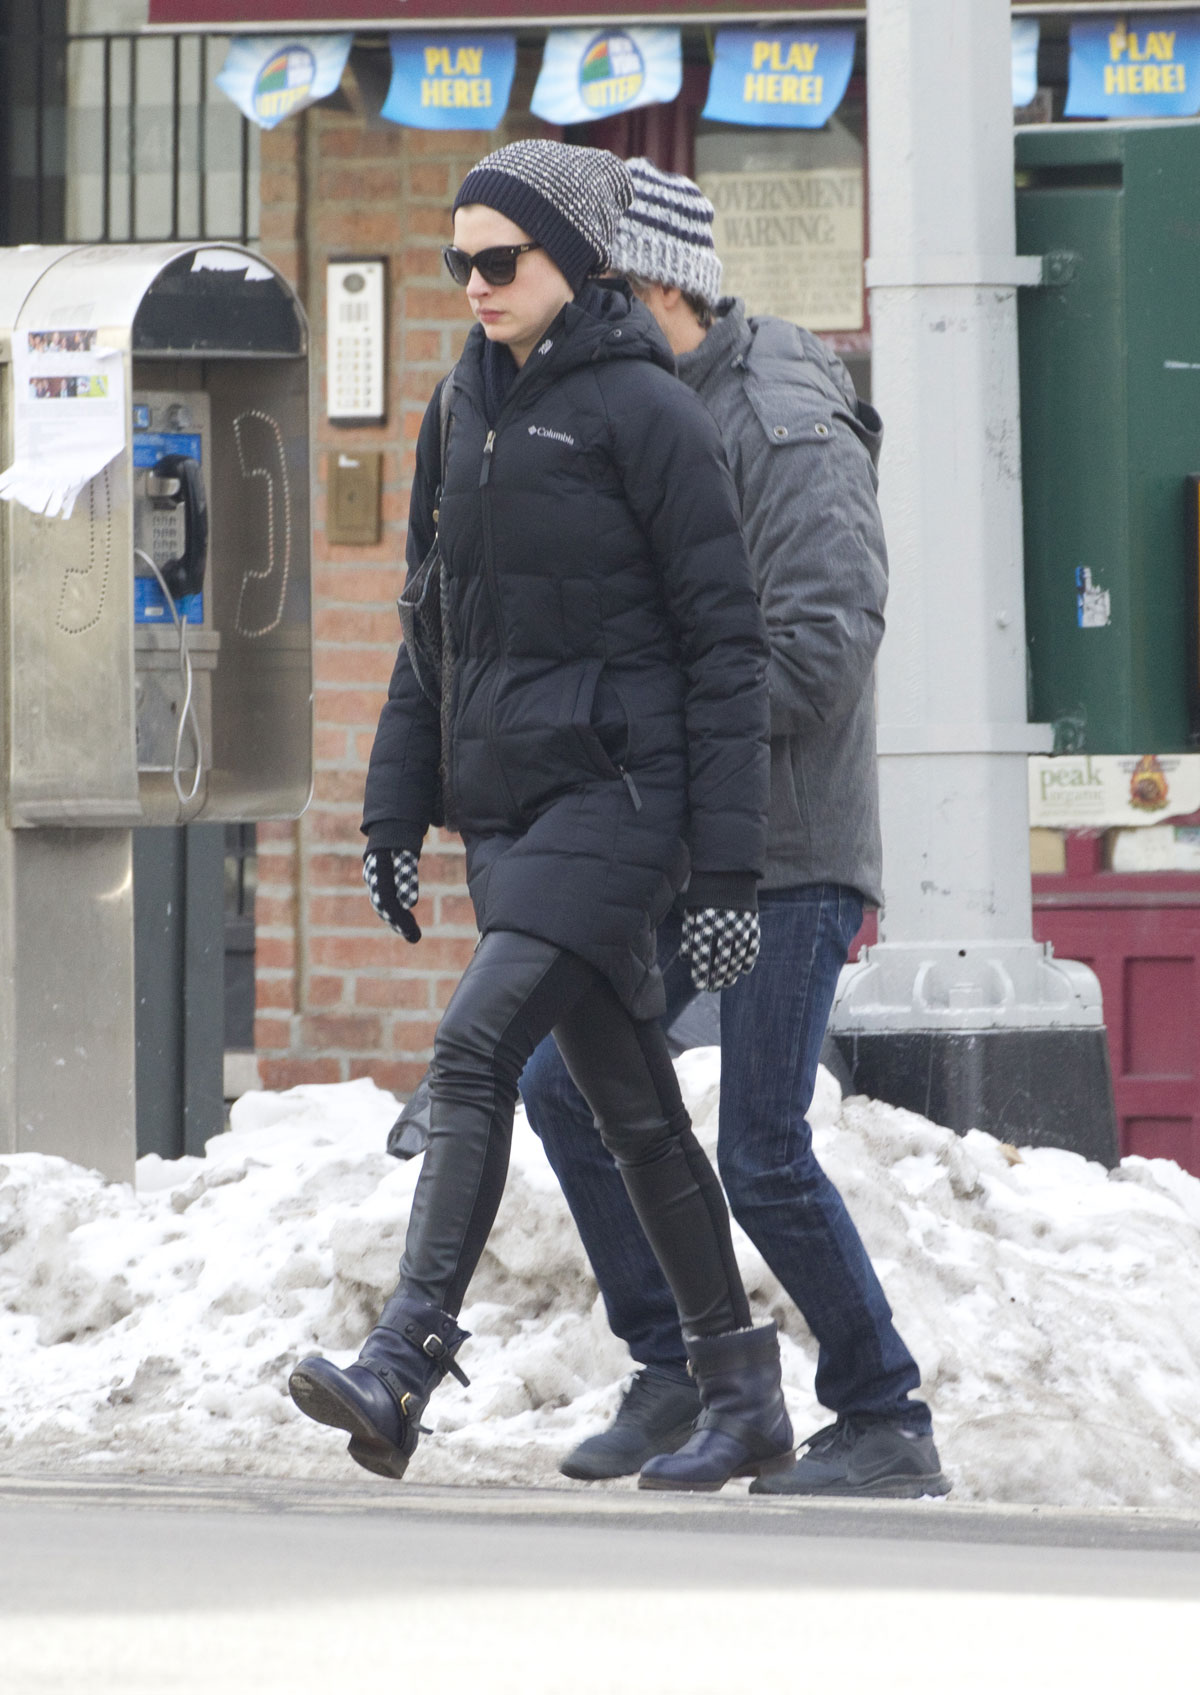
[437, 1350]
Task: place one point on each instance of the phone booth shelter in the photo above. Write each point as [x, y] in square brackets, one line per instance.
[157, 642]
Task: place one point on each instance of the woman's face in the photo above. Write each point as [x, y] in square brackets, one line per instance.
[519, 313]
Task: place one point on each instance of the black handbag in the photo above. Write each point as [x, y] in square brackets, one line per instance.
[420, 602]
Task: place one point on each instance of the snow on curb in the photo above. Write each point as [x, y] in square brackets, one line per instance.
[1054, 1307]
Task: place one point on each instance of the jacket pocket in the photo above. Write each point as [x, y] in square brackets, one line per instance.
[601, 722]
[543, 732]
[791, 418]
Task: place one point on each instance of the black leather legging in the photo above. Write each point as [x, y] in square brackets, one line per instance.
[514, 992]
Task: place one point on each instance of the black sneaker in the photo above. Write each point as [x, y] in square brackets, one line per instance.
[862, 1457]
[655, 1417]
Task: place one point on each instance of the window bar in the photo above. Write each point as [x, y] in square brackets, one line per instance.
[175, 46]
[245, 181]
[202, 140]
[106, 193]
[39, 166]
[131, 138]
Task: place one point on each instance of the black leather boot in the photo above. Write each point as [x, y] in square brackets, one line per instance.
[743, 1429]
[380, 1398]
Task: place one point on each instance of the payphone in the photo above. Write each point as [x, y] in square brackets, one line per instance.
[155, 628]
[176, 689]
[174, 642]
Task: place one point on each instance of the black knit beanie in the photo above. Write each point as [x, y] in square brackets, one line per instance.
[567, 199]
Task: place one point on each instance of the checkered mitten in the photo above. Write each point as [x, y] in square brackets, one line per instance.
[720, 944]
[391, 878]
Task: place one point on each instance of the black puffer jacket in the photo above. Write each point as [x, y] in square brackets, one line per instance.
[609, 717]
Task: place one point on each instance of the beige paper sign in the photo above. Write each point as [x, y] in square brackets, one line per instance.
[1101, 792]
[792, 242]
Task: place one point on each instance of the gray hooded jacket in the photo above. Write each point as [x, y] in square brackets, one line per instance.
[803, 449]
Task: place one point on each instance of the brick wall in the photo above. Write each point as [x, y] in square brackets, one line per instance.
[340, 996]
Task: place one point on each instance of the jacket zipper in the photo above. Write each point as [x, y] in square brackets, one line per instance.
[493, 587]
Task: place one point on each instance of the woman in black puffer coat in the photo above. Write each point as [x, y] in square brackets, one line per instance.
[602, 745]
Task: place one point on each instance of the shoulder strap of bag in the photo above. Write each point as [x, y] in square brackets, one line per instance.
[445, 400]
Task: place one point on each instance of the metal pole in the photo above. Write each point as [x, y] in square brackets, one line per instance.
[957, 1001]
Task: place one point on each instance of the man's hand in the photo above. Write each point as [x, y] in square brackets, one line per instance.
[721, 945]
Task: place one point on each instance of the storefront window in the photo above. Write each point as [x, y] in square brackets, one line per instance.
[789, 224]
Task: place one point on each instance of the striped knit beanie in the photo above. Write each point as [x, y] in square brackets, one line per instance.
[568, 199]
[666, 235]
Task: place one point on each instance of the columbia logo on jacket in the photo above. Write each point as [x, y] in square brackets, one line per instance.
[551, 435]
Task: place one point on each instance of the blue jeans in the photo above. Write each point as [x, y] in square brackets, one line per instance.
[772, 1026]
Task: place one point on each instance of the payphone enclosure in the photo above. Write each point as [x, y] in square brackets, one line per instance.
[158, 641]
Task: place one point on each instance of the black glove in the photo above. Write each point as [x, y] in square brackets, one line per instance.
[391, 878]
[721, 945]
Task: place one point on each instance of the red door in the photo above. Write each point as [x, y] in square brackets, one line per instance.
[1140, 933]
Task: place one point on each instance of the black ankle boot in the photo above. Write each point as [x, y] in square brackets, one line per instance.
[380, 1398]
[744, 1429]
[655, 1417]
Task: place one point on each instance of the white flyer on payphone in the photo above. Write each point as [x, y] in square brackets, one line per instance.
[68, 417]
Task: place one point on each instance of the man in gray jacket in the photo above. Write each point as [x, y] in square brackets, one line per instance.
[803, 451]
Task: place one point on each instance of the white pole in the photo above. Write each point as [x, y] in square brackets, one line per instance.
[956, 952]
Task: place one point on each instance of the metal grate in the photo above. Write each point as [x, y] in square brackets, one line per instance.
[122, 137]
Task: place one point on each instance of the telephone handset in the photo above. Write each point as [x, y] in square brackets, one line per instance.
[176, 479]
[176, 646]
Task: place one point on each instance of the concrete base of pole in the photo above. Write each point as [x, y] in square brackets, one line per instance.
[1037, 1088]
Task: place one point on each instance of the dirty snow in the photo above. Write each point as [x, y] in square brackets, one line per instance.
[1054, 1307]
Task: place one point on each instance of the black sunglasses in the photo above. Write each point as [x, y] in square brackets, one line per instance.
[496, 265]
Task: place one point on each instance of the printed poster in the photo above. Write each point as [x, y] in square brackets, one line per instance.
[1143, 65]
[1103, 792]
[791, 242]
[450, 81]
[780, 78]
[587, 75]
[1026, 33]
[271, 77]
[68, 416]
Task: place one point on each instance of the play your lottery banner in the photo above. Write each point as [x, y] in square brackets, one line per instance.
[270, 77]
[783, 79]
[1145, 65]
[585, 75]
[450, 81]
[1026, 32]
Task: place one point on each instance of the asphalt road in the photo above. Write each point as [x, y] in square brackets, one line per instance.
[258, 1586]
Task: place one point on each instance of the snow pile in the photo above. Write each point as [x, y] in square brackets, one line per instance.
[1054, 1307]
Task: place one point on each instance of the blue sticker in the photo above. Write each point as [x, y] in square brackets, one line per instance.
[450, 81]
[269, 77]
[150, 446]
[780, 78]
[1093, 605]
[1026, 33]
[1147, 71]
[587, 75]
[150, 604]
